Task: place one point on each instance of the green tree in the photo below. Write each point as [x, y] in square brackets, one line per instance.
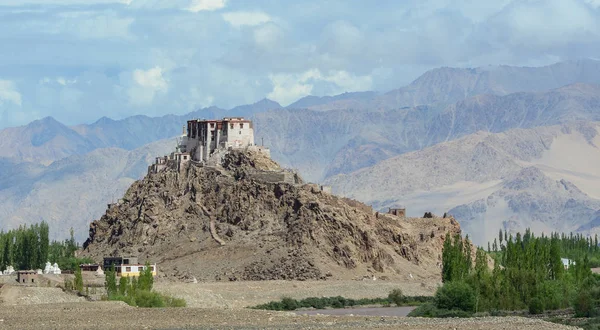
[123, 285]
[110, 281]
[6, 255]
[78, 283]
[455, 295]
[44, 243]
[146, 280]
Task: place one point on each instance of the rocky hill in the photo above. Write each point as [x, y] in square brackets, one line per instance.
[221, 223]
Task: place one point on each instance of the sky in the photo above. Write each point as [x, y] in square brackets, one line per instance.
[79, 60]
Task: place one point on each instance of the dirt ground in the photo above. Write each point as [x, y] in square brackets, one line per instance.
[220, 305]
[112, 315]
[245, 294]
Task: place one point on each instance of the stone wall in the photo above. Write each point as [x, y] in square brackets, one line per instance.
[274, 176]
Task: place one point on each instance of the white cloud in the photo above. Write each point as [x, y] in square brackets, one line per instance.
[9, 93]
[60, 80]
[287, 88]
[151, 78]
[147, 83]
[246, 18]
[205, 5]
[526, 24]
[268, 36]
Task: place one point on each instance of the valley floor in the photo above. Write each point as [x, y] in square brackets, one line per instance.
[251, 293]
[221, 305]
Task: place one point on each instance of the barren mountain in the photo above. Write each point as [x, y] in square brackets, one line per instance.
[322, 144]
[72, 191]
[222, 223]
[544, 177]
[343, 101]
[444, 86]
[42, 141]
[530, 199]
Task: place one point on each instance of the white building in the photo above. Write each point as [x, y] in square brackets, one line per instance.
[205, 141]
[204, 137]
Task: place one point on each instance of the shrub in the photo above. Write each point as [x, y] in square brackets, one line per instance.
[174, 302]
[425, 310]
[430, 310]
[536, 306]
[396, 297]
[455, 295]
[340, 302]
[289, 304]
[583, 304]
[145, 298]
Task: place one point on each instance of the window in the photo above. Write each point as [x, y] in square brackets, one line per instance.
[32, 280]
[231, 126]
[128, 269]
[212, 125]
[241, 125]
[151, 268]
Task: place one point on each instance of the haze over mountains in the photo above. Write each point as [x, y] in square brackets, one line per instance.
[485, 143]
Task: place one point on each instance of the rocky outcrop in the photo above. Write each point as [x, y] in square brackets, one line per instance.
[270, 230]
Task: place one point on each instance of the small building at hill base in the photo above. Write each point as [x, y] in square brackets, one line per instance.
[117, 261]
[127, 270]
[127, 266]
[89, 267]
[27, 276]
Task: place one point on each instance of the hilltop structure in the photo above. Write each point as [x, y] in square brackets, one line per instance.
[206, 141]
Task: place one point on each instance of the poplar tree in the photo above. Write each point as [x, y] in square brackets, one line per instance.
[110, 282]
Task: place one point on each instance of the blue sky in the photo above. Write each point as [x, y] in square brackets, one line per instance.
[79, 60]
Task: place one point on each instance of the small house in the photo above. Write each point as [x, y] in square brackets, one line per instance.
[27, 276]
[126, 270]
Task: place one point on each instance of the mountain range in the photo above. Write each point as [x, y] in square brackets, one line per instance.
[474, 125]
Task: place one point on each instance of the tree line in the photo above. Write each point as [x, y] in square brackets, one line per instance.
[521, 272]
[29, 247]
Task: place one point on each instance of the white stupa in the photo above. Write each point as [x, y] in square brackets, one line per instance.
[56, 269]
[99, 271]
[48, 269]
[8, 271]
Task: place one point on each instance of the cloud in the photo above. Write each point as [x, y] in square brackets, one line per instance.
[78, 60]
[146, 84]
[525, 24]
[9, 93]
[205, 5]
[287, 88]
[246, 18]
[268, 36]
